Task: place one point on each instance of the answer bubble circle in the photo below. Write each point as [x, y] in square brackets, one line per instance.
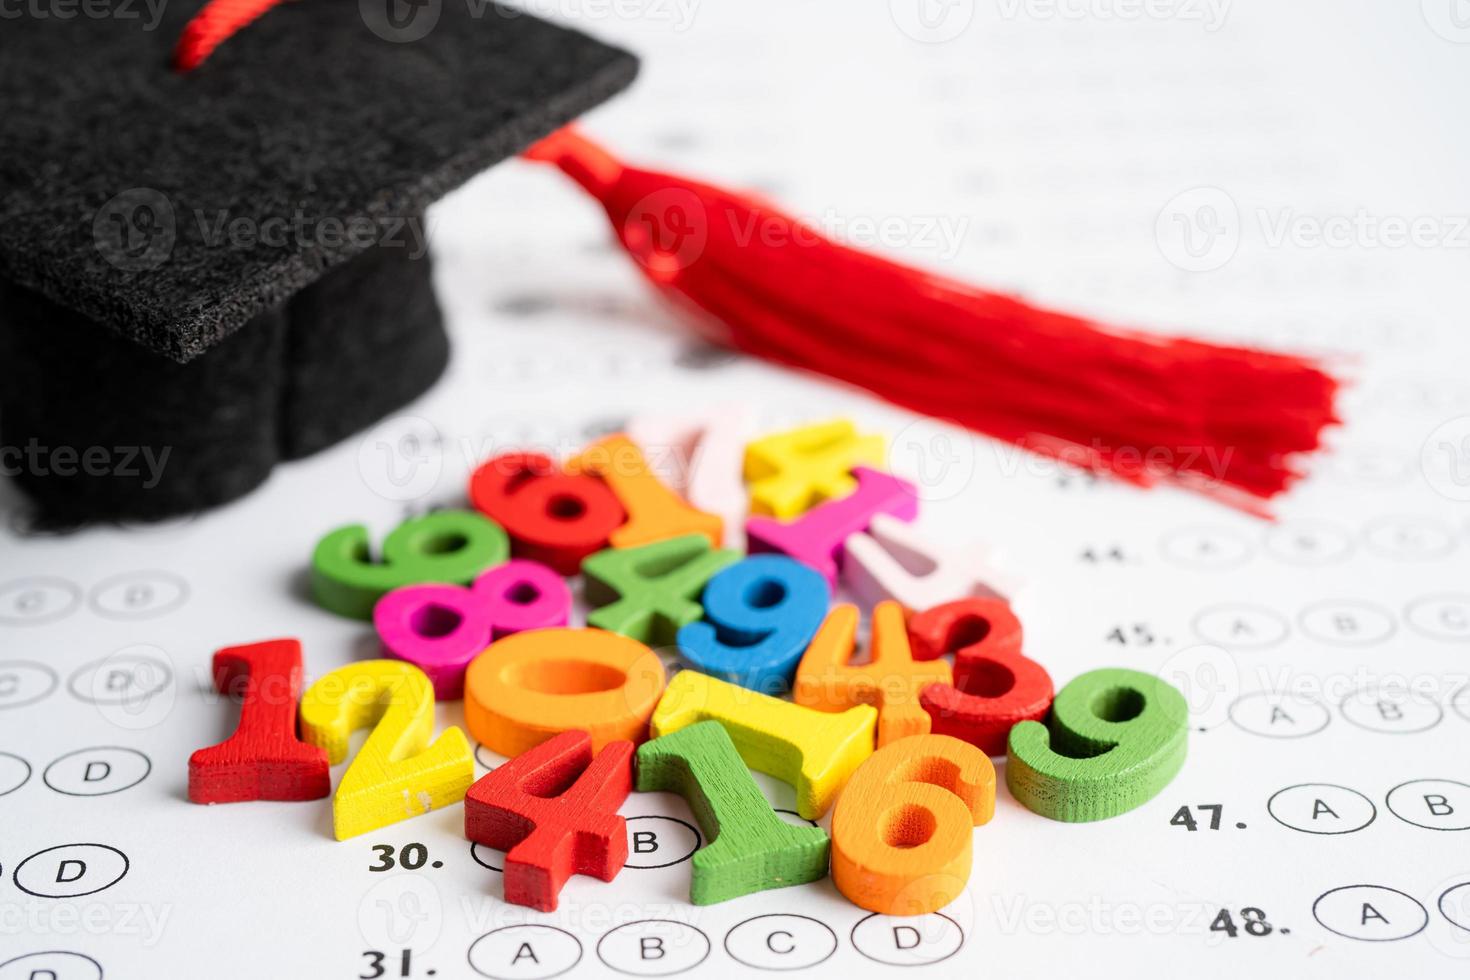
[15, 772]
[24, 682]
[139, 595]
[1399, 801]
[33, 601]
[114, 862]
[565, 950]
[1458, 898]
[1223, 624]
[1347, 622]
[1282, 803]
[1256, 713]
[479, 852]
[55, 962]
[810, 939]
[683, 837]
[1308, 542]
[1206, 548]
[132, 766]
[947, 938]
[1440, 617]
[691, 947]
[1334, 906]
[1410, 713]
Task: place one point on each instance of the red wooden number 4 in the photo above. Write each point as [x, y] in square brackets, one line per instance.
[263, 759]
[553, 810]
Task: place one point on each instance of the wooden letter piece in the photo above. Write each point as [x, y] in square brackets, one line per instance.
[995, 686]
[263, 759]
[817, 536]
[1116, 739]
[397, 774]
[655, 513]
[814, 751]
[759, 615]
[553, 517]
[890, 681]
[749, 848]
[648, 593]
[445, 546]
[554, 811]
[441, 628]
[901, 831]
[791, 472]
[532, 686]
[893, 561]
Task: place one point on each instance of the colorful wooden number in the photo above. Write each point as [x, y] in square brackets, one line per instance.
[441, 628]
[901, 833]
[397, 774]
[263, 759]
[817, 536]
[530, 687]
[553, 517]
[711, 451]
[554, 811]
[893, 561]
[890, 681]
[814, 751]
[759, 615]
[995, 686]
[655, 513]
[791, 472]
[445, 546]
[749, 848]
[1116, 738]
[649, 592]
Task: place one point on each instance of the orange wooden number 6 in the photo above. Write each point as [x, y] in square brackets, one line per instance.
[901, 831]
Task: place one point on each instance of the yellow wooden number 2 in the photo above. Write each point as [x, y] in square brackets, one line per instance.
[398, 774]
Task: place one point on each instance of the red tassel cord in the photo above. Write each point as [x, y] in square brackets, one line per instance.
[1227, 420]
[215, 23]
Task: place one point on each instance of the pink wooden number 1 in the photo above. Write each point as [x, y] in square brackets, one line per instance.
[441, 628]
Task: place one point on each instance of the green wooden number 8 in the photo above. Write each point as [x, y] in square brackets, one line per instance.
[446, 546]
[1116, 738]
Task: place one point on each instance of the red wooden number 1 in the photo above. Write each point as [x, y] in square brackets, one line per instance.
[263, 759]
[554, 811]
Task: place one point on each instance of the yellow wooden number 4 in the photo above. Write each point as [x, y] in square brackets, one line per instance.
[398, 774]
[791, 472]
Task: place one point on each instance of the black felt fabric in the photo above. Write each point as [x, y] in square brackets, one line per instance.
[168, 438]
[222, 270]
[305, 112]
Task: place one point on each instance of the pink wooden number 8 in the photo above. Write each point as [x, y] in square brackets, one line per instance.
[441, 628]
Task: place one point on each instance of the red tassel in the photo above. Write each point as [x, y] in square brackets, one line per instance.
[214, 24]
[1227, 420]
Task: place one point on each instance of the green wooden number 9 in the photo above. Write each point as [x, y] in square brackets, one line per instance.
[446, 546]
[1115, 739]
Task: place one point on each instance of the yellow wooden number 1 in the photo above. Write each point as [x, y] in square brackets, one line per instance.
[398, 774]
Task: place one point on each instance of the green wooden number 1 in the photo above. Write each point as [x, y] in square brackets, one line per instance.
[446, 546]
[750, 848]
[1116, 738]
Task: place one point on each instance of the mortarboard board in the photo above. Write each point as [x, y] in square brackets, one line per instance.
[228, 266]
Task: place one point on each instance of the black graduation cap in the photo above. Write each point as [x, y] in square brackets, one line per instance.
[227, 265]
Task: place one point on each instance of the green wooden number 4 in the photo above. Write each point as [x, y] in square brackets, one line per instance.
[1115, 739]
